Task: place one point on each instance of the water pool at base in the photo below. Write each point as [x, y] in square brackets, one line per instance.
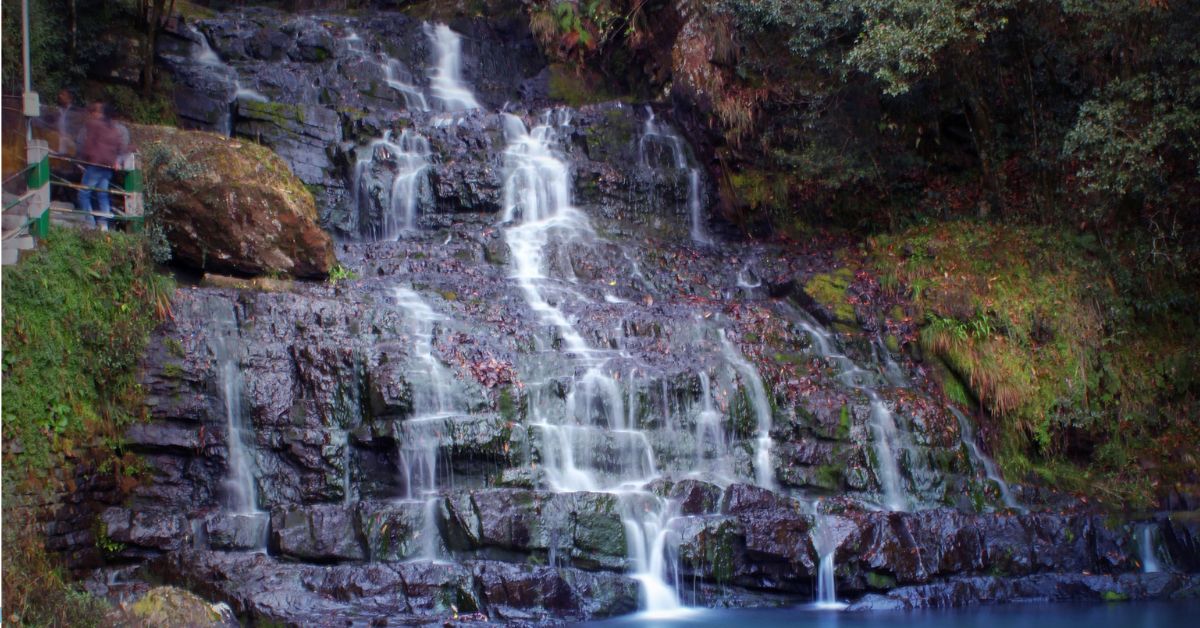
[1023, 615]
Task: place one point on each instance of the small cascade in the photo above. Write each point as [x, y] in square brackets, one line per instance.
[826, 546]
[445, 82]
[203, 54]
[967, 431]
[435, 402]
[1145, 536]
[712, 447]
[414, 100]
[763, 471]
[538, 214]
[410, 184]
[655, 135]
[241, 495]
[239, 489]
[886, 437]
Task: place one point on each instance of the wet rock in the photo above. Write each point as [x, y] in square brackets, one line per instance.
[317, 533]
[1055, 587]
[228, 531]
[603, 594]
[439, 588]
[398, 530]
[1181, 536]
[696, 497]
[149, 529]
[744, 498]
[513, 592]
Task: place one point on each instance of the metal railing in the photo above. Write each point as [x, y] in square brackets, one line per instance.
[27, 198]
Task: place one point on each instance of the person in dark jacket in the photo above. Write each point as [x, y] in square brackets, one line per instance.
[100, 143]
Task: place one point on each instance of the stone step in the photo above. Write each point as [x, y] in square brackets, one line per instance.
[19, 243]
[13, 221]
[10, 256]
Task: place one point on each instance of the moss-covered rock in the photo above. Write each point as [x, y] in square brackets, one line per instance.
[171, 606]
[232, 206]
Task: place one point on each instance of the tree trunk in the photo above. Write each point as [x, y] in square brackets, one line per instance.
[153, 16]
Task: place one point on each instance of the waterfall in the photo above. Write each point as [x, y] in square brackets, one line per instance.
[203, 54]
[712, 450]
[413, 98]
[239, 492]
[653, 134]
[410, 184]
[538, 214]
[445, 82]
[435, 402]
[764, 474]
[1145, 534]
[241, 495]
[885, 435]
[967, 432]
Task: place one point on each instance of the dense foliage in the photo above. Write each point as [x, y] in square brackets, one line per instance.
[90, 48]
[77, 316]
[1071, 128]
[1090, 381]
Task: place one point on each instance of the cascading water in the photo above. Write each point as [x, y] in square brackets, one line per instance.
[435, 402]
[445, 82]
[712, 448]
[240, 494]
[409, 155]
[239, 490]
[1145, 535]
[203, 54]
[414, 100]
[539, 214]
[967, 431]
[885, 436]
[757, 392]
[654, 134]
[825, 544]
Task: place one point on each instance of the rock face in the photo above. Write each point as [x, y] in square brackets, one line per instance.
[234, 207]
[426, 441]
[316, 90]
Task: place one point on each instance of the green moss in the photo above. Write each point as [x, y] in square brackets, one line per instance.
[1087, 374]
[844, 423]
[880, 581]
[829, 477]
[759, 189]
[1115, 596]
[448, 295]
[172, 371]
[174, 347]
[577, 88]
[77, 316]
[829, 289]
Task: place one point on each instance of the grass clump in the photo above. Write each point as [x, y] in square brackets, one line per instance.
[1087, 371]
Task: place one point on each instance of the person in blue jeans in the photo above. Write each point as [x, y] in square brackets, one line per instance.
[101, 143]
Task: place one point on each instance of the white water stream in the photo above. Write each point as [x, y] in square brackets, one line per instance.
[886, 438]
[409, 156]
[539, 215]
[445, 81]
[654, 134]
[204, 54]
[967, 432]
[1145, 534]
[435, 402]
[239, 489]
